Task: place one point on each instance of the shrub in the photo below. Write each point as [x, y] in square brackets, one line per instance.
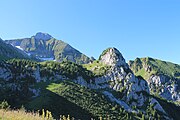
[4, 105]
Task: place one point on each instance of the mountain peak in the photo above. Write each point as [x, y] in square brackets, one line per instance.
[112, 57]
[42, 36]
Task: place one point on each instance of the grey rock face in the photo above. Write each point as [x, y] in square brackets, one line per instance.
[164, 86]
[42, 36]
[120, 102]
[119, 78]
[113, 57]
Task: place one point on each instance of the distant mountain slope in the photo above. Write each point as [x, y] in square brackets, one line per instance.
[163, 77]
[45, 47]
[7, 52]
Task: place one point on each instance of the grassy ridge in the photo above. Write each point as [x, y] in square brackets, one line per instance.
[69, 98]
[157, 67]
[97, 68]
[57, 104]
[89, 100]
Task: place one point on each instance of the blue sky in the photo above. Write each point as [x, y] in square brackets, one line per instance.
[138, 28]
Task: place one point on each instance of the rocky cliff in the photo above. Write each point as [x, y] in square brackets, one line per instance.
[162, 77]
[133, 91]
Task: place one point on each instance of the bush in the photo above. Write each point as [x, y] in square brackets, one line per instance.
[4, 105]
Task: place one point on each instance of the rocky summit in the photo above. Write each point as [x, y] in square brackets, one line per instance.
[112, 57]
[42, 36]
